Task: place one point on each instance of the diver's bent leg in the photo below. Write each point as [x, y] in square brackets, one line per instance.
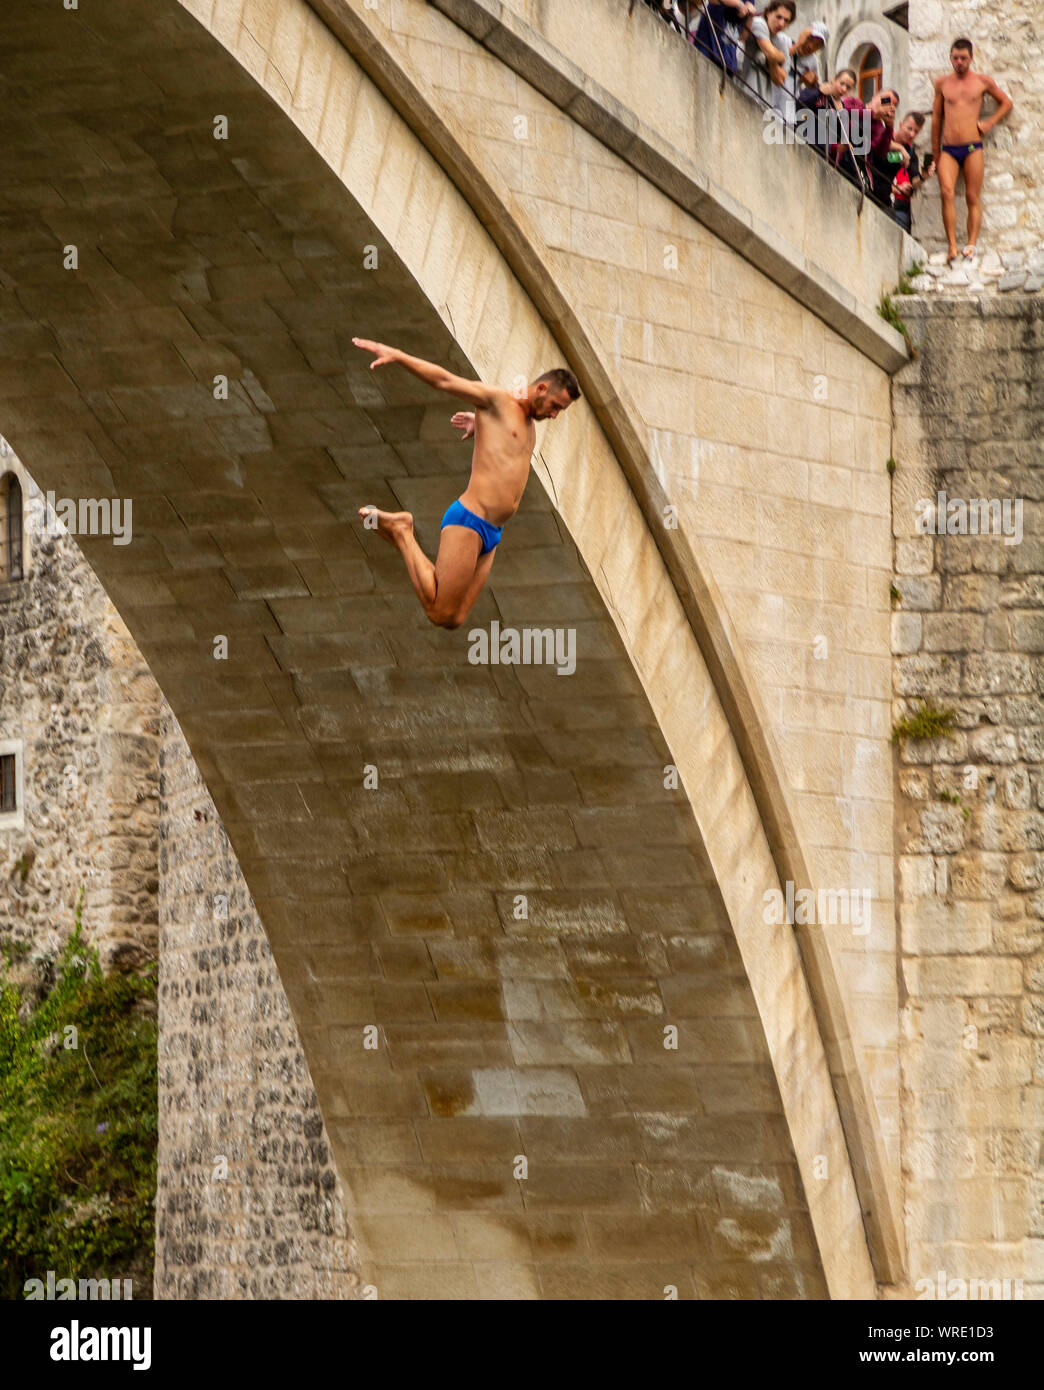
[454, 573]
[478, 583]
[397, 527]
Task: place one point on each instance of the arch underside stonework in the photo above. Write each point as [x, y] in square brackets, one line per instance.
[520, 907]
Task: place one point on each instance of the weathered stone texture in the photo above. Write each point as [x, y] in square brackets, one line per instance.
[247, 257]
[76, 693]
[150, 852]
[503, 1037]
[248, 1203]
[970, 805]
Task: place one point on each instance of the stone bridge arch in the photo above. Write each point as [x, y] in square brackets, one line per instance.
[500, 1035]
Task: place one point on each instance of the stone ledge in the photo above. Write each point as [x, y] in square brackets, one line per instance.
[1017, 305]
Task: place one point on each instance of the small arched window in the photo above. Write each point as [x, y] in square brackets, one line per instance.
[10, 527]
[870, 74]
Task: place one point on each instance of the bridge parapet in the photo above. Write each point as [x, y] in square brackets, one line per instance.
[621, 74]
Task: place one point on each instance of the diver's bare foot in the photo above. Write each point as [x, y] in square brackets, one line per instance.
[970, 251]
[390, 525]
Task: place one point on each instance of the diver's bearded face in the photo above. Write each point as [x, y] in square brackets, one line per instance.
[545, 404]
[556, 403]
[541, 404]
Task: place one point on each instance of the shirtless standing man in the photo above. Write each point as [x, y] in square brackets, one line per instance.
[505, 435]
[957, 132]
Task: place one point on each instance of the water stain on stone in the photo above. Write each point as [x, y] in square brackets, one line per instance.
[449, 1097]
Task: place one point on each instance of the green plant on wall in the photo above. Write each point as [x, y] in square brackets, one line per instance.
[929, 721]
[952, 799]
[904, 286]
[886, 308]
[78, 1125]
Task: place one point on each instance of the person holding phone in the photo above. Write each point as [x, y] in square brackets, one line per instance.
[886, 153]
[909, 179]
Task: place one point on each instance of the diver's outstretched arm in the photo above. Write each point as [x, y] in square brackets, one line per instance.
[477, 393]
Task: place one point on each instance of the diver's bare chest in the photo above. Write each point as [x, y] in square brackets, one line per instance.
[510, 447]
[963, 95]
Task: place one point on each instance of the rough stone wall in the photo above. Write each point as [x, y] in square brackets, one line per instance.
[248, 1202]
[1007, 40]
[75, 691]
[969, 632]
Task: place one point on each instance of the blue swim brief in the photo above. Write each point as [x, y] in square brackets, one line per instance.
[458, 515]
[961, 152]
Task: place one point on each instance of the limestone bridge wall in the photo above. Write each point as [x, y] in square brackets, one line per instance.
[523, 903]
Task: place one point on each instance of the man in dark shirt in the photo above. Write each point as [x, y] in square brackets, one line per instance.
[852, 146]
[909, 179]
[717, 34]
[881, 168]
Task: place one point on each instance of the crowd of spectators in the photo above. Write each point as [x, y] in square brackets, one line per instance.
[785, 71]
